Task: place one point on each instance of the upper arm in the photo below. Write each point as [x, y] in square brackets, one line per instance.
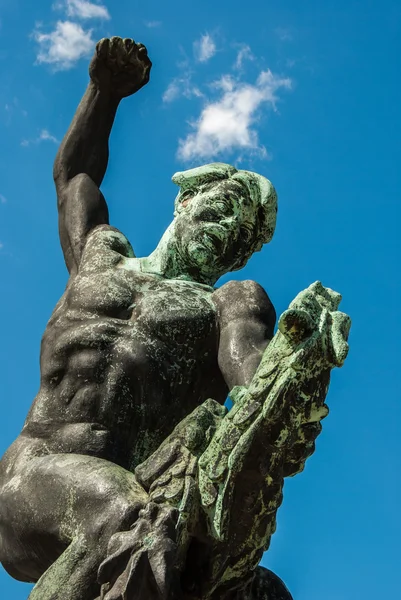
[81, 207]
[247, 319]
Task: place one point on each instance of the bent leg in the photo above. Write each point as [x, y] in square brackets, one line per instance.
[72, 575]
[57, 517]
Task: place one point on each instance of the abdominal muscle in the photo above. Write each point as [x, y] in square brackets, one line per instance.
[117, 403]
[104, 418]
[115, 387]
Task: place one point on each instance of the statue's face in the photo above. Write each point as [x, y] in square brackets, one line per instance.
[213, 225]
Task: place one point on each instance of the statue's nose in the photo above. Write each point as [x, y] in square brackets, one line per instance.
[205, 213]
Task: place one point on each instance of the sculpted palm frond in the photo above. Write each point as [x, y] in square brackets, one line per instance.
[271, 430]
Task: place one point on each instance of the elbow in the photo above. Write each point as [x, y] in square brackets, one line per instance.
[62, 171]
[63, 176]
[59, 174]
[62, 164]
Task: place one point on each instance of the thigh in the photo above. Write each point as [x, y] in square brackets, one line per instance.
[55, 498]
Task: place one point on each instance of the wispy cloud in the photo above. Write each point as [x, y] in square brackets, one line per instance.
[86, 10]
[153, 24]
[65, 45]
[228, 123]
[69, 41]
[44, 136]
[244, 53]
[231, 107]
[181, 86]
[83, 9]
[205, 48]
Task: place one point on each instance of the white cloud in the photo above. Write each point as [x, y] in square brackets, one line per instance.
[83, 9]
[205, 48]
[228, 123]
[181, 86]
[64, 46]
[244, 53]
[44, 136]
[172, 92]
[3, 199]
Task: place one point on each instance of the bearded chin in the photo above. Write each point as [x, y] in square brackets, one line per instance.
[200, 255]
[205, 260]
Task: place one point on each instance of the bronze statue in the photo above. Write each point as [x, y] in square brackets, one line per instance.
[130, 480]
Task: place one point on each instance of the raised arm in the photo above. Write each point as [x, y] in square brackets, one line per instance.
[118, 69]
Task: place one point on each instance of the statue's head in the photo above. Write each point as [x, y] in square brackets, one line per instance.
[222, 216]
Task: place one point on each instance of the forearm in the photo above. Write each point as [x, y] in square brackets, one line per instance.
[85, 147]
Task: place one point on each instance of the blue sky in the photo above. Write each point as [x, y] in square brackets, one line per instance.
[307, 94]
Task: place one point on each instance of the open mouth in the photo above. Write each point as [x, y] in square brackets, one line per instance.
[213, 236]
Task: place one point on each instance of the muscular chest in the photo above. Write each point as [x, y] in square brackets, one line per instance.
[169, 311]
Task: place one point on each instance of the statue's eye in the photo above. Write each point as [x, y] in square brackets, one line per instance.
[186, 197]
[223, 206]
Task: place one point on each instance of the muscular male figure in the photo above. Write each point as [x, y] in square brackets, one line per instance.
[132, 347]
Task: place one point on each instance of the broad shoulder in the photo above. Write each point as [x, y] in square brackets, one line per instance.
[105, 247]
[108, 237]
[243, 300]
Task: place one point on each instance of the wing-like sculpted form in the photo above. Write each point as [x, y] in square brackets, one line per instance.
[170, 475]
[270, 431]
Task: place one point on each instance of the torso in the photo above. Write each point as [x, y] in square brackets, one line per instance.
[125, 356]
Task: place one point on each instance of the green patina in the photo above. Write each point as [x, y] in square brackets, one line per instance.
[195, 504]
[250, 218]
[267, 435]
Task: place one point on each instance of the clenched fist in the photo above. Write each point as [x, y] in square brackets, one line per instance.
[120, 66]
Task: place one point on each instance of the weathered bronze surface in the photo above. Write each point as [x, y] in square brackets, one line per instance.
[130, 479]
